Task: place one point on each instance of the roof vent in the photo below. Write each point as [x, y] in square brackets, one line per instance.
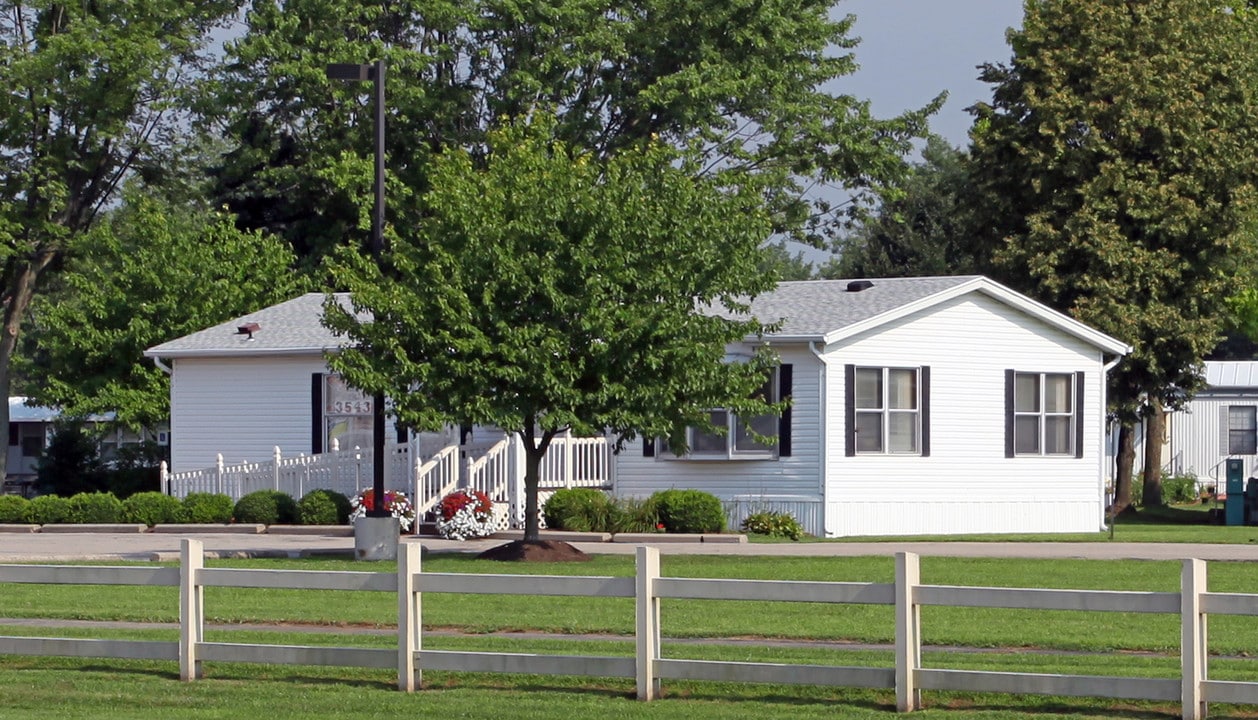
[859, 285]
[248, 329]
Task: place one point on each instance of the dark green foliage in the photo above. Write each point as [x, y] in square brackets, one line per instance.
[12, 508]
[578, 509]
[689, 511]
[1180, 489]
[70, 464]
[211, 508]
[47, 510]
[773, 524]
[152, 508]
[136, 469]
[323, 507]
[269, 507]
[97, 507]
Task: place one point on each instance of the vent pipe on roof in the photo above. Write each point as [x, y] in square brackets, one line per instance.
[248, 329]
[859, 285]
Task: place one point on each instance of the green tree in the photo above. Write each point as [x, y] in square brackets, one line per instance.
[920, 228]
[1116, 165]
[744, 83]
[781, 264]
[551, 289]
[89, 93]
[152, 271]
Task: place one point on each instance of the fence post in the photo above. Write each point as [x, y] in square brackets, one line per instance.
[908, 632]
[219, 465]
[163, 472]
[568, 458]
[409, 640]
[648, 622]
[275, 457]
[466, 479]
[1193, 638]
[191, 608]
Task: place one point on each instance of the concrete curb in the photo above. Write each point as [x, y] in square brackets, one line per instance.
[325, 530]
[95, 528]
[18, 528]
[193, 529]
[661, 538]
[560, 535]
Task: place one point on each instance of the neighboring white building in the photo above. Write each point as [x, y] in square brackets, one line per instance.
[1220, 422]
[919, 406]
[972, 409]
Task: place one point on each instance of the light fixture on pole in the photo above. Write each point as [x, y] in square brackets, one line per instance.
[373, 72]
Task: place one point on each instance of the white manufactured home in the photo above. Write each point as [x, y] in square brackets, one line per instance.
[918, 406]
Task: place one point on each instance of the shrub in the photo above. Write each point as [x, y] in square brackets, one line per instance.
[268, 507]
[47, 510]
[323, 507]
[579, 509]
[689, 511]
[12, 508]
[97, 507]
[633, 515]
[1180, 489]
[773, 524]
[152, 508]
[207, 508]
[70, 464]
[136, 469]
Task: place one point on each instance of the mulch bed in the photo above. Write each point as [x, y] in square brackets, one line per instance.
[536, 551]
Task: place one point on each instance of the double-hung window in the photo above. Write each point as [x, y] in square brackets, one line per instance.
[1242, 430]
[888, 410]
[1043, 413]
[740, 438]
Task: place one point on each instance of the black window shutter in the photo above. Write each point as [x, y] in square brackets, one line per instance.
[1079, 398]
[1009, 414]
[648, 447]
[924, 380]
[785, 378]
[849, 407]
[316, 413]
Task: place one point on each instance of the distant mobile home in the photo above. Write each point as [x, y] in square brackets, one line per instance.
[918, 405]
[1219, 423]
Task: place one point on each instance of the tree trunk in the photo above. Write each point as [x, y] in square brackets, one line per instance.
[20, 285]
[1122, 474]
[1154, 434]
[532, 474]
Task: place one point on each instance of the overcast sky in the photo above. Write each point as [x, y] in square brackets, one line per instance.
[911, 50]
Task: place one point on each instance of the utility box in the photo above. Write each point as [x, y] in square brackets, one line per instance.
[1251, 501]
[1234, 509]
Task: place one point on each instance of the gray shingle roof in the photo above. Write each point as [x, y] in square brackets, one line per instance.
[292, 327]
[815, 308]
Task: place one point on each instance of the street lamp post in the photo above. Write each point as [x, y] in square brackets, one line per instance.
[373, 72]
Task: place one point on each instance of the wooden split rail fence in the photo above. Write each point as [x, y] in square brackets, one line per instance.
[908, 678]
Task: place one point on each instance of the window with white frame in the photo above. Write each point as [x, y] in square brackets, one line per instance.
[739, 438]
[887, 410]
[1044, 413]
[1242, 430]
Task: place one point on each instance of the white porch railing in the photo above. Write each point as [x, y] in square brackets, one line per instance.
[498, 472]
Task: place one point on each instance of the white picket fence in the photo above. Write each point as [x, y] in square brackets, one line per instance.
[908, 678]
[497, 470]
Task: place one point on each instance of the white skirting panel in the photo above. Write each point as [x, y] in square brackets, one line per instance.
[807, 510]
[959, 518]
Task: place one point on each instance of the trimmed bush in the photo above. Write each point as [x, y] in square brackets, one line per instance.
[773, 524]
[152, 508]
[323, 507]
[47, 510]
[579, 509]
[97, 507]
[207, 508]
[12, 508]
[689, 511]
[268, 507]
[633, 515]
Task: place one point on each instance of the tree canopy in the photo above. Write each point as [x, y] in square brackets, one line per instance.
[550, 288]
[1116, 168]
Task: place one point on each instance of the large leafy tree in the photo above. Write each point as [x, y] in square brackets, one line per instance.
[88, 91]
[743, 82]
[552, 289]
[153, 270]
[1117, 163]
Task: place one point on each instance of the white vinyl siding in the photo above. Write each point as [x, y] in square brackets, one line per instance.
[240, 407]
[966, 484]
